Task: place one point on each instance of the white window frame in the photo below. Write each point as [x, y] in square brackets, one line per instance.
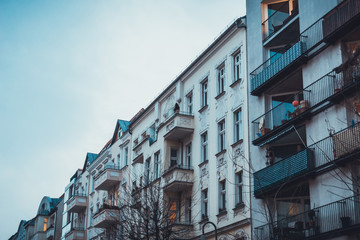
[221, 78]
[188, 151]
[156, 165]
[204, 204]
[221, 135]
[204, 147]
[239, 198]
[237, 65]
[238, 128]
[222, 196]
[204, 92]
[189, 103]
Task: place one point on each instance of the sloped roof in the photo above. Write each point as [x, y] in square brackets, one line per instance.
[91, 157]
[124, 125]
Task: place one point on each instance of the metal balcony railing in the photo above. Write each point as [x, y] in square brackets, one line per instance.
[283, 171]
[320, 156]
[340, 16]
[335, 218]
[311, 41]
[309, 98]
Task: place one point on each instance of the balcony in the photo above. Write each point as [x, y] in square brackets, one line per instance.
[107, 178]
[342, 19]
[178, 126]
[326, 222]
[314, 98]
[281, 27]
[178, 178]
[77, 203]
[76, 233]
[285, 170]
[324, 155]
[50, 233]
[106, 217]
[275, 67]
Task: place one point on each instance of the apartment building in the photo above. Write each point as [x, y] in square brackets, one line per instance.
[46, 225]
[188, 149]
[303, 62]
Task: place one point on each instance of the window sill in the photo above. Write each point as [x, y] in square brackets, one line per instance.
[203, 220]
[235, 83]
[203, 108]
[203, 163]
[222, 213]
[221, 152]
[239, 206]
[237, 143]
[220, 95]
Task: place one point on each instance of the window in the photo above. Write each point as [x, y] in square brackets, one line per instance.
[156, 165]
[237, 125]
[118, 160]
[188, 210]
[221, 78]
[45, 223]
[172, 211]
[92, 185]
[143, 136]
[189, 103]
[188, 155]
[126, 153]
[222, 196]
[204, 93]
[221, 131]
[238, 189]
[173, 157]
[237, 66]
[204, 147]
[147, 171]
[204, 204]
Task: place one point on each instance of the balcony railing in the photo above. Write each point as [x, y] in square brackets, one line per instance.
[311, 41]
[77, 203]
[321, 156]
[271, 67]
[283, 171]
[325, 222]
[76, 233]
[178, 178]
[278, 20]
[340, 18]
[108, 177]
[178, 126]
[107, 216]
[309, 99]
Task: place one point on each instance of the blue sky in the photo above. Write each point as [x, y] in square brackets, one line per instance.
[70, 69]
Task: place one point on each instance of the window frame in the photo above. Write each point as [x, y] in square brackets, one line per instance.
[221, 135]
[189, 103]
[222, 196]
[237, 66]
[156, 165]
[204, 147]
[204, 204]
[239, 198]
[221, 78]
[238, 128]
[204, 92]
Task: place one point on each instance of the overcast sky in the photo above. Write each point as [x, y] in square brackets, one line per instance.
[70, 69]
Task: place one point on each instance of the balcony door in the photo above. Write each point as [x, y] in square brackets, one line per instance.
[174, 156]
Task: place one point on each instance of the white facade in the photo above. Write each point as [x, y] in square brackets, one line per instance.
[296, 101]
[192, 140]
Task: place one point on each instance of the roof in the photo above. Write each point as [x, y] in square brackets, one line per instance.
[91, 157]
[124, 125]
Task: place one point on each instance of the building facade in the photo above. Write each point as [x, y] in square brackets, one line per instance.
[303, 62]
[185, 157]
